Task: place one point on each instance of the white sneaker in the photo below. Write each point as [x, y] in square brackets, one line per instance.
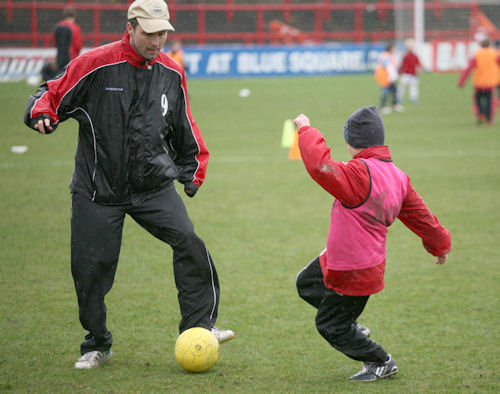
[398, 108]
[93, 359]
[386, 110]
[223, 335]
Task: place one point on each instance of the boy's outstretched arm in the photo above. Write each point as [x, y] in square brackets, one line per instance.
[349, 181]
[418, 218]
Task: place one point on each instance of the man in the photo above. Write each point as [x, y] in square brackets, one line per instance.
[136, 136]
[386, 75]
[68, 39]
[371, 192]
[485, 64]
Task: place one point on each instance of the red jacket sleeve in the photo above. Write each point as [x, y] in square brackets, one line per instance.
[76, 42]
[466, 72]
[194, 155]
[349, 181]
[418, 218]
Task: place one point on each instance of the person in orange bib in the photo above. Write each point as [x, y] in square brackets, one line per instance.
[484, 65]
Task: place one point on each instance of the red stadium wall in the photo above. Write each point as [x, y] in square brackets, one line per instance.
[29, 23]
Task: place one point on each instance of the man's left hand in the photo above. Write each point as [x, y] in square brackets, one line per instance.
[190, 189]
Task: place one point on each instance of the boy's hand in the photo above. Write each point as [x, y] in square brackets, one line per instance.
[301, 121]
[442, 259]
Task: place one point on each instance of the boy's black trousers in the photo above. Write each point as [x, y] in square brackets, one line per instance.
[336, 317]
[96, 236]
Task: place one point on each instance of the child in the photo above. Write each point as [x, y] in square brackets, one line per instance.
[484, 65]
[408, 70]
[371, 192]
[386, 75]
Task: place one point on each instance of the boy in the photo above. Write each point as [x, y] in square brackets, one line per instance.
[484, 65]
[371, 192]
[386, 75]
[410, 65]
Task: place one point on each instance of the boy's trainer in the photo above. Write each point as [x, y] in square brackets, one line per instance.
[375, 371]
[93, 359]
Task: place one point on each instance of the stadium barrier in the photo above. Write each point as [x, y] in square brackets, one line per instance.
[266, 61]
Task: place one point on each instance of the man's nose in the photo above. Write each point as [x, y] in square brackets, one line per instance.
[155, 41]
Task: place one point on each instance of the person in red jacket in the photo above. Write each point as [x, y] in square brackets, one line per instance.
[370, 192]
[485, 65]
[408, 70]
[68, 39]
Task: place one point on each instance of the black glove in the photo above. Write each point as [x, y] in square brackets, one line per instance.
[43, 116]
[190, 189]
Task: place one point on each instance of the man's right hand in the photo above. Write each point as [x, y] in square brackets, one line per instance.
[442, 259]
[43, 124]
[301, 121]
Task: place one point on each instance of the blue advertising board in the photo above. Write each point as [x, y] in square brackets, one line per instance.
[262, 61]
[230, 61]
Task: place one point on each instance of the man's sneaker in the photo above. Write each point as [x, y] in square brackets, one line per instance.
[365, 330]
[222, 335]
[374, 371]
[93, 359]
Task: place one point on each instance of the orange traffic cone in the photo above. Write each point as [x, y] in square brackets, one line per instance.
[294, 153]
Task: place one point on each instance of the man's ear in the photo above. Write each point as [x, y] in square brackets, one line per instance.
[129, 28]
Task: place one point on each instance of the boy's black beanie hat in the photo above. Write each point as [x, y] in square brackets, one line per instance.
[364, 128]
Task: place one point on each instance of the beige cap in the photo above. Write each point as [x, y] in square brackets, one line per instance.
[152, 15]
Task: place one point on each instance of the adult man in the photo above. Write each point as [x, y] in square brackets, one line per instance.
[485, 64]
[136, 136]
[68, 39]
[371, 192]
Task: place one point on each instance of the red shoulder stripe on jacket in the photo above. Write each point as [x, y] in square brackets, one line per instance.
[80, 67]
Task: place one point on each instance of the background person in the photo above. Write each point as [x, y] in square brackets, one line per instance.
[484, 66]
[68, 40]
[136, 136]
[370, 192]
[386, 75]
[408, 70]
[176, 53]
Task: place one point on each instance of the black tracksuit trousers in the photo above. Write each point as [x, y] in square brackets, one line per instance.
[336, 317]
[96, 235]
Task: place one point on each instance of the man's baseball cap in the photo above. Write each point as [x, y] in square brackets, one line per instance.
[152, 15]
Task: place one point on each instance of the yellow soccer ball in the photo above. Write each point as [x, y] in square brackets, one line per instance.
[197, 349]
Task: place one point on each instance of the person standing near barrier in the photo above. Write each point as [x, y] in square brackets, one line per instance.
[136, 136]
[484, 65]
[370, 193]
[68, 40]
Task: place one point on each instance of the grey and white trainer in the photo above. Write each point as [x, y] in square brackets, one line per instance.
[375, 371]
[365, 330]
[93, 359]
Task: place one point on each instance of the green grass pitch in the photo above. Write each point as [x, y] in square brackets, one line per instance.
[263, 219]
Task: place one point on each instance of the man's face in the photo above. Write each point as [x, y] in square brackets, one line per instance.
[148, 45]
